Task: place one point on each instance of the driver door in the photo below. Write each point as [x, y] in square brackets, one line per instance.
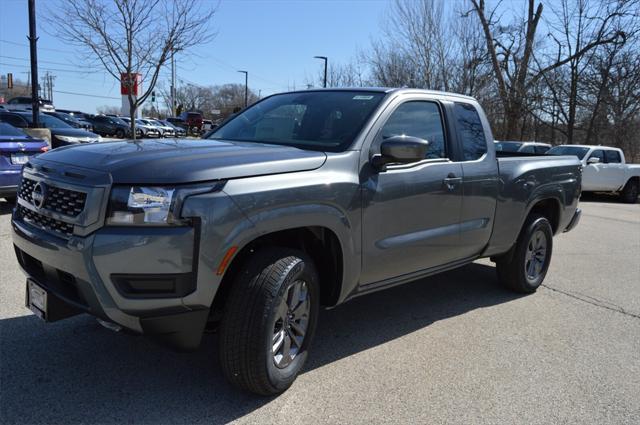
[411, 212]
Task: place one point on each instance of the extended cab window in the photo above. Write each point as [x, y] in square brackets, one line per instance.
[597, 154]
[470, 130]
[418, 119]
[613, 157]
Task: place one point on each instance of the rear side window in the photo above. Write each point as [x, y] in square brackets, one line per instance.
[418, 119]
[470, 130]
[527, 149]
[541, 149]
[613, 157]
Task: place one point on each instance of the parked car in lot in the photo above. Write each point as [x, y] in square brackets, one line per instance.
[62, 134]
[178, 131]
[192, 121]
[23, 103]
[73, 121]
[303, 200]
[516, 147]
[604, 170]
[165, 131]
[148, 131]
[16, 148]
[112, 126]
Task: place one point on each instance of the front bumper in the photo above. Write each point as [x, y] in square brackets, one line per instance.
[9, 180]
[83, 272]
[574, 220]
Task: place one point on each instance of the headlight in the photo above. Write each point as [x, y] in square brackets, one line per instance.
[140, 205]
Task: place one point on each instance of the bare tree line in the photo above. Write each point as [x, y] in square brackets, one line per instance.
[564, 71]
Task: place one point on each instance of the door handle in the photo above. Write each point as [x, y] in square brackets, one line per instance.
[451, 181]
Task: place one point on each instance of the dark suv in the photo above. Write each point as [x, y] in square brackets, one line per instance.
[107, 126]
[61, 133]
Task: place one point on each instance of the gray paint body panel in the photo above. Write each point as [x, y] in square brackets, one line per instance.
[392, 226]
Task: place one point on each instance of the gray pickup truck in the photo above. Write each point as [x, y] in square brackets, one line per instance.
[304, 200]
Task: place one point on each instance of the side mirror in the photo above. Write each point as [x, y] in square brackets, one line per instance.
[400, 150]
[593, 160]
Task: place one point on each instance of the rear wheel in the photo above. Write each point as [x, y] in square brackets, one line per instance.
[269, 321]
[524, 268]
[629, 193]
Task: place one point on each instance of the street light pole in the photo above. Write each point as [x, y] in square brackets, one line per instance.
[246, 87]
[325, 59]
[35, 101]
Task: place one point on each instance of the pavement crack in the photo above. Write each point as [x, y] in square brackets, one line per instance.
[594, 301]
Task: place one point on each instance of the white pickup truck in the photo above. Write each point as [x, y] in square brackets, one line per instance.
[604, 170]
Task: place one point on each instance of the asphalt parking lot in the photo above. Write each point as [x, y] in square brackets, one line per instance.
[455, 348]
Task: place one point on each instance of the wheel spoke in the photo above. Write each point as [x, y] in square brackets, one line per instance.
[294, 295]
[278, 340]
[531, 268]
[286, 349]
[302, 309]
[298, 329]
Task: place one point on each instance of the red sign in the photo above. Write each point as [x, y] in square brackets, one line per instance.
[130, 83]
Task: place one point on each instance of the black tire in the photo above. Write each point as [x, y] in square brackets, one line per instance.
[513, 268]
[10, 199]
[252, 313]
[120, 133]
[629, 193]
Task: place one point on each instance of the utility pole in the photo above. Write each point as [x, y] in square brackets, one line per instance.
[173, 84]
[33, 39]
[246, 87]
[325, 59]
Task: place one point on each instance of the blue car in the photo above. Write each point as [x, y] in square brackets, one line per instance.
[16, 148]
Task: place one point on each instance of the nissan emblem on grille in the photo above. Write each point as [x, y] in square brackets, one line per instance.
[39, 194]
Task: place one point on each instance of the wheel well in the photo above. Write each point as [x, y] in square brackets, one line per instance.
[550, 208]
[319, 243]
[632, 179]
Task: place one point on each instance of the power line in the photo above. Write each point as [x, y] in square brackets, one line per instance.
[39, 48]
[39, 60]
[86, 94]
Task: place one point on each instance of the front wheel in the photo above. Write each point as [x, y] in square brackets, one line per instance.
[269, 321]
[524, 268]
[120, 133]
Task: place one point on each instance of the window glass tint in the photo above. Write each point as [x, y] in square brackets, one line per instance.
[417, 119]
[597, 154]
[14, 120]
[9, 130]
[508, 146]
[613, 157]
[539, 149]
[527, 149]
[568, 150]
[323, 120]
[471, 131]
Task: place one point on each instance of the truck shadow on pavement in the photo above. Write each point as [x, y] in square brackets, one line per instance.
[5, 207]
[75, 371]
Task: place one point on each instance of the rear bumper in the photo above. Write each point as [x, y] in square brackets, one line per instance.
[79, 271]
[574, 220]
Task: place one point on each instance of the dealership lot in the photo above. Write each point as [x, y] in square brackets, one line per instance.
[455, 348]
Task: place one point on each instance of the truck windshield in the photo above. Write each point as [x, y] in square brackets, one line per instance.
[321, 120]
[578, 151]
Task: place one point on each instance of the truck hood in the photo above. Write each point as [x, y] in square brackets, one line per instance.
[175, 161]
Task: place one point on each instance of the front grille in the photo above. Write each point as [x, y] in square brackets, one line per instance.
[63, 201]
[46, 223]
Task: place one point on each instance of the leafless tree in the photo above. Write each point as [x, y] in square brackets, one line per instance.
[132, 36]
[108, 109]
[207, 99]
[516, 69]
